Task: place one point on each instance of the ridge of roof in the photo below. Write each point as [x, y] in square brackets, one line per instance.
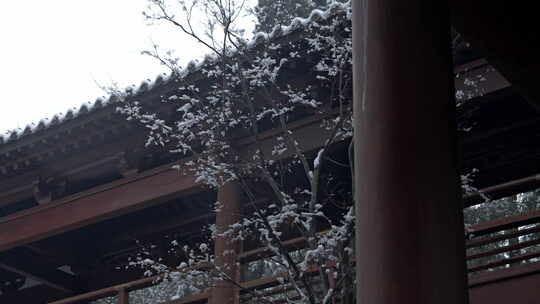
[297, 23]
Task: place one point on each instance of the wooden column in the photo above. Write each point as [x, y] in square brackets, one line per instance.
[410, 239]
[225, 292]
[123, 296]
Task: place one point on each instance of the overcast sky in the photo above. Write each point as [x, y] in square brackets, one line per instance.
[53, 52]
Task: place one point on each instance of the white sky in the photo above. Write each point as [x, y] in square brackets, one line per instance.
[53, 52]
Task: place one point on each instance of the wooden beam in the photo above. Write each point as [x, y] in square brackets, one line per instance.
[504, 223]
[31, 268]
[508, 35]
[94, 205]
[132, 193]
[33, 295]
[488, 277]
[479, 69]
[18, 188]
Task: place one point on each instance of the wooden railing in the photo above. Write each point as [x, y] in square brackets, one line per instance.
[121, 292]
[500, 243]
[504, 242]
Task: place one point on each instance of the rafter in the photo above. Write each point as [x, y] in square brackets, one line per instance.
[32, 268]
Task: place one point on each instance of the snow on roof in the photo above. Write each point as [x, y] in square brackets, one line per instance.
[193, 66]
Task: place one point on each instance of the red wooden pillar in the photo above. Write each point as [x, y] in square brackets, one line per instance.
[225, 292]
[123, 296]
[410, 240]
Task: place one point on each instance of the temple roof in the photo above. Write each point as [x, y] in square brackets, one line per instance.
[134, 92]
